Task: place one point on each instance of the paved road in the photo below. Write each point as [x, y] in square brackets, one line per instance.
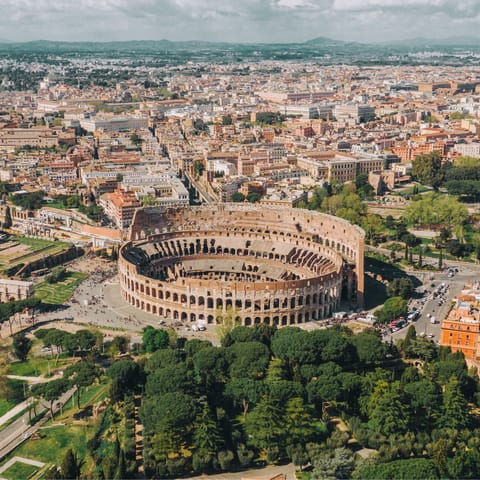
[423, 326]
[20, 430]
[13, 412]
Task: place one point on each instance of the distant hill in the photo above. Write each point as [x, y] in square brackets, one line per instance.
[419, 42]
[328, 42]
[127, 46]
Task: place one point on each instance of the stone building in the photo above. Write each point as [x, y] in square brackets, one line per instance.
[269, 264]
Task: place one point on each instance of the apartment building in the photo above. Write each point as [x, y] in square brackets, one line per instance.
[12, 138]
[461, 329]
[114, 123]
[353, 113]
[120, 207]
[468, 149]
[343, 168]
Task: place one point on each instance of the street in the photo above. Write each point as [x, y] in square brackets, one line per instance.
[20, 429]
[423, 326]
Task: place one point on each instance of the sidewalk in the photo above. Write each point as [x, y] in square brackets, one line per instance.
[34, 379]
[13, 412]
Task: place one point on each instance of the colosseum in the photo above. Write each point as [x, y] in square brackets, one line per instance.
[266, 264]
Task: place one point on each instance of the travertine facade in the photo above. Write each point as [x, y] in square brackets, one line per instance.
[275, 265]
[14, 290]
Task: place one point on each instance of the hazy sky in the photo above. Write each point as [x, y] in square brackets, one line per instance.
[236, 20]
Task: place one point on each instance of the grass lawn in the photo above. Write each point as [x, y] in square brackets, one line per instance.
[5, 406]
[22, 250]
[57, 439]
[89, 396]
[40, 243]
[14, 397]
[58, 293]
[19, 470]
[36, 366]
[410, 190]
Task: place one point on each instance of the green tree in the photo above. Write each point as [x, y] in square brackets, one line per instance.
[264, 426]
[409, 337]
[369, 347]
[425, 400]
[387, 411]
[465, 465]
[427, 169]
[207, 438]
[227, 321]
[81, 375]
[333, 465]
[135, 139]
[227, 120]
[21, 345]
[299, 421]
[198, 168]
[253, 197]
[85, 340]
[243, 393]
[118, 345]
[410, 241]
[455, 412]
[238, 197]
[121, 470]
[171, 378]
[70, 467]
[210, 366]
[401, 470]
[248, 359]
[50, 391]
[125, 375]
[435, 209]
[393, 308]
[154, 339]
[401, 287]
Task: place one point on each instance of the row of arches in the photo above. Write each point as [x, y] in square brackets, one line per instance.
[291, 318]
[274, 301]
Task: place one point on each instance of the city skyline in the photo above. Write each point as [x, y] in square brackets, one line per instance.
[271, 21]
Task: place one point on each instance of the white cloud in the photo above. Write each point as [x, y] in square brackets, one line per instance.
[235, 20]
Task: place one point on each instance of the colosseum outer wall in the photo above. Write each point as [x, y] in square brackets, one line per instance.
[282, 302]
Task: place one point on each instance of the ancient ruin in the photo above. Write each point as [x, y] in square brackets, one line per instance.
[268, 264]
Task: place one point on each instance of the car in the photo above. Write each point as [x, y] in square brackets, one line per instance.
[162, 322]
